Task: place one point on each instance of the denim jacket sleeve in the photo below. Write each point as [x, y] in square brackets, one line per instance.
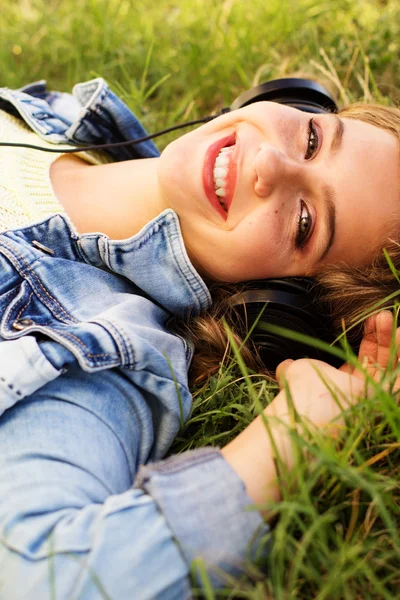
[88, 508]
[72, 523]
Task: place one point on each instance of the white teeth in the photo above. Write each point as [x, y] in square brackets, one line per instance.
[220, 172]
[222, 160]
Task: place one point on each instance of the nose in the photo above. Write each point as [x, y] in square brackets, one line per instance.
[273, 168]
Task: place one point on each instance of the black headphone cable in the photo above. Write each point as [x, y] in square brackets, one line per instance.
[115, 144]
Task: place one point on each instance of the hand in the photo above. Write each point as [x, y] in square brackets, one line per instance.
[319, 391]
[311, 384]
[376, 353]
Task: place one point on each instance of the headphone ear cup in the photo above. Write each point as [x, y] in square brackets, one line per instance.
[274, 348]
[290, 304]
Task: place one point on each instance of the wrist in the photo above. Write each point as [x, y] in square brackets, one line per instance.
[254, 452]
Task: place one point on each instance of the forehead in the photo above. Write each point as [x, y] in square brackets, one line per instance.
[364, 129]
[370, 157]
[366, 179]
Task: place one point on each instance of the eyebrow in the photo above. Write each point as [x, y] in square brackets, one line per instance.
[329, 192]
[337, 137]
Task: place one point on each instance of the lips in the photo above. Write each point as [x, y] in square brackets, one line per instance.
[208, 175]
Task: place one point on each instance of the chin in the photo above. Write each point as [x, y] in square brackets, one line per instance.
[214, 273]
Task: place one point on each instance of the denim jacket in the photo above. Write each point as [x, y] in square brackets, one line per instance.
[93, 391]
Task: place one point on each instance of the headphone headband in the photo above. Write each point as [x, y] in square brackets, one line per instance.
[304, 94]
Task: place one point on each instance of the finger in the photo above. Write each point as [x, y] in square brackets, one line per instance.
[396, 386]
[368, 351]
[375, 353]
[397, 342]
[384, 328]
[346, 368]
[369, 342]
[281, 370]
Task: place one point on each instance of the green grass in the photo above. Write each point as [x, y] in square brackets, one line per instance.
[337, 529]
[177, 60]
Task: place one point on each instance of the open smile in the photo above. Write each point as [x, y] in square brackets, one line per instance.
[219, 174]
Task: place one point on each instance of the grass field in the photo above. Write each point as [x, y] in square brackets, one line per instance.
[338, 532]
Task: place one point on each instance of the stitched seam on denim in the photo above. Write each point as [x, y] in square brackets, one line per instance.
[67, 334]
[187, 275]
[11, 309]
[100, 239]
[17, 102]
[178, 463]
[100, 101]
[117, 335]
[24, 307]
[89, 110]
[75, 241]
[186, 346]
[105, 250]
[169, 240]
[196, 283]
[3, 297]
[125, 246]
[38, 282]
[129, 349]
[125, 346]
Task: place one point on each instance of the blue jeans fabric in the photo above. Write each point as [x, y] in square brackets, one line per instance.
[94, 389]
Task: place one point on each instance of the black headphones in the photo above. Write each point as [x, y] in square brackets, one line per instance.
[291, 303]
[303, 94]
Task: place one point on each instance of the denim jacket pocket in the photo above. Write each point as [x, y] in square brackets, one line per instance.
[92, 345]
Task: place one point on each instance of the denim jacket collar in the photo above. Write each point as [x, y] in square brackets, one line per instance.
[92, 114]
[171, 281]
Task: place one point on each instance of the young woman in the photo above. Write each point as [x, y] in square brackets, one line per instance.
[98, 259]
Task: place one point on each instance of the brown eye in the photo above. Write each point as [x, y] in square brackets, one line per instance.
[312, 142]
[304, 226]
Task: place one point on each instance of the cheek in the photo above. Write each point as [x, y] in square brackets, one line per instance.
[180, 168]
[171, 161]
[263, 229]
[259, 251]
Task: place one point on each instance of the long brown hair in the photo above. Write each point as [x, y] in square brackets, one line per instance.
[348, 292]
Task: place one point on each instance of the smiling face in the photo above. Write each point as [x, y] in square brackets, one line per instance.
[292, 192]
